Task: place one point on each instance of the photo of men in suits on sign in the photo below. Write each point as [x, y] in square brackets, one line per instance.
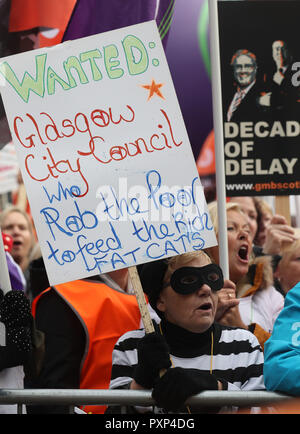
[245, 98]
[257, 56]
[259, 52]
[274, 96]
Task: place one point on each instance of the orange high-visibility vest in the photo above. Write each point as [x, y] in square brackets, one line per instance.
[105, 314]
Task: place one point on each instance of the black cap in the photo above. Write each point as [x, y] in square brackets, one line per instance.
[151, 276]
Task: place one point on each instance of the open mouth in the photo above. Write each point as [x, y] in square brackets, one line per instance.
[205, 306]
[17, 243]
[243, 253]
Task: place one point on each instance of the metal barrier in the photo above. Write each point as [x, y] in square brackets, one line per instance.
[77, 397]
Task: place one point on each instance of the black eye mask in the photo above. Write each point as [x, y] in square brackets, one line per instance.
[187, 280]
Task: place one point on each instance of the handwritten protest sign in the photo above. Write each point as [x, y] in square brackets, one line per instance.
[104, 153]
[259, 61]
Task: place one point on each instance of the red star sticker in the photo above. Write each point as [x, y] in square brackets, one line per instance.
[153, 88]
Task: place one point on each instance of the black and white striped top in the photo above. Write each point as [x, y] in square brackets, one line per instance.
[237, 358]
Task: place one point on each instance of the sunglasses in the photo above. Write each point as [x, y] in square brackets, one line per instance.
[187, 280]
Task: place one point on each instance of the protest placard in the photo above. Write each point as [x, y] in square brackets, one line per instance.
[8, 169]
[259, 59]
[104, 153]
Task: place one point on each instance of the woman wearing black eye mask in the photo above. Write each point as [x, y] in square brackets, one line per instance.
[193, 352]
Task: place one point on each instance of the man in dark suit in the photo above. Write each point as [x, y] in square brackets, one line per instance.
[245, 104]
[285, 98]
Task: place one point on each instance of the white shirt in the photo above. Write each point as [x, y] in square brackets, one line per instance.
[262, 308]
[236, 96]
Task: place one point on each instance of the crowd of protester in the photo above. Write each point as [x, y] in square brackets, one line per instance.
[211, 333]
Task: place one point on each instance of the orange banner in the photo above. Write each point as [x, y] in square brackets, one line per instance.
[206, 159]
[26, 15]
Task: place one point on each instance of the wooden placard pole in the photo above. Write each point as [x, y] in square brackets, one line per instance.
[140, 296]
[282, 207]
[22, 198]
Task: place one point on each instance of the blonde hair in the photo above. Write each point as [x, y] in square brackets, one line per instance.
[262, 206]
[14, 208]
[213, 211]
[179, 261]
